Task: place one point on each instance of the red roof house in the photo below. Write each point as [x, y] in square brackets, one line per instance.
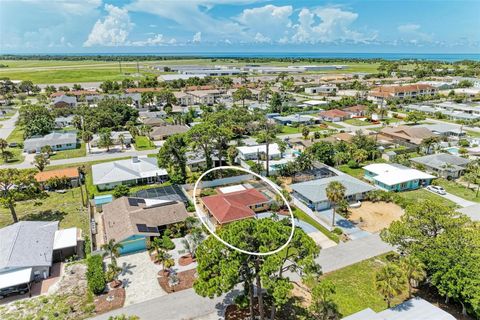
[236, 205]
[334, 115]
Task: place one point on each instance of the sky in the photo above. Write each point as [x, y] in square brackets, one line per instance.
[183, 26]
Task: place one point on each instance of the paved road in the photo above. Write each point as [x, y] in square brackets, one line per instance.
[186, 304]
[458, 200]
[8, 126]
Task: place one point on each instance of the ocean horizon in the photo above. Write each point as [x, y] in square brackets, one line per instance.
[445, 57]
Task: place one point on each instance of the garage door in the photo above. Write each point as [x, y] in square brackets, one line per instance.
[133, 244]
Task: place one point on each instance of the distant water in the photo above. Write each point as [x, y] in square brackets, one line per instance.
[449, 57]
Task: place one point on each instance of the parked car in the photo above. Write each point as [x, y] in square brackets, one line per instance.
[436, 189]
[20, 289]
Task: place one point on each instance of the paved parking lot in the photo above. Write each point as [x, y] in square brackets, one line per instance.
[139, 277]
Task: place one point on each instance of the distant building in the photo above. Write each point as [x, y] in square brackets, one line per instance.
[323, 89]
[402, 92]
[64, 101]
[58, 141]
[356, 111]
[334, 115]
[294, 118]
[62, 122]
[395, 177]
[405, 135]
[443, 165]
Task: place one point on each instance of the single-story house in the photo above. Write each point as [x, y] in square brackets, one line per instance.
[134, 221]
[64, 101]
[444, 165]
[396, 177]
[413, 309]
[294, 118]
[29, 248]
[406, 135]
[334, 115]
[153, 122]
[163, 132]
[115, 136]
[445, 129]
[314, 193]
[137, 170]
[62, 122]
[231, 205]
[356, 111]
[152, 114]
[71, 174]
[258, 151]
[57, 140]
[322, 89]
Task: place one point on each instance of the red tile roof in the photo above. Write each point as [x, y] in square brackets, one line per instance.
[385, 91]
[234, 205]
[356, 109]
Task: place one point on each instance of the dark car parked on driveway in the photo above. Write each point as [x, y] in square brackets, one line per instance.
[20, 289]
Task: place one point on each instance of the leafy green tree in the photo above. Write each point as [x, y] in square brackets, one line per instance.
[201, 137]
[414, 270]
[40, 161]
[322, 151]
[17, 185]
[87, 136]
[105, 139]
[172, 154]
[121, 191]
[48, 150]
[3, 148]
[390, 282]
[427, 143]
[323, 307]
[95, 274]
[242, 94]
[276, 102]
[112, 249]
[36, 120]
[113, 271]
[360, 155]
[166, 96]
[335, 193]
[305, 132]
[415, 117]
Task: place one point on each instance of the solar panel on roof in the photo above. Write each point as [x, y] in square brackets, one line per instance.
[170, 193]
[142, 228]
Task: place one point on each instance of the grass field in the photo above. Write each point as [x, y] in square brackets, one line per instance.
[458, 190]
[354, 172]
[419, 195]
[356, 122]
[305, 217]
[17, 156]
[334, 125]
[16, 135]
[474, 134]
[68, 154]
[143, 143]
[65, 208]
[355, 287]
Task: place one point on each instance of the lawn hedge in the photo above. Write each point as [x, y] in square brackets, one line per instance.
[95, 274]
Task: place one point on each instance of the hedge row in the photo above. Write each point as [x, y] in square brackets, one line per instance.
[95, 274]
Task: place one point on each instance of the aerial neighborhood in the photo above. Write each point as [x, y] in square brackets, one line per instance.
[107, 213]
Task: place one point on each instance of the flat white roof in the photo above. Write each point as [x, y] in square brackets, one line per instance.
[15, 277]
[315, 102]
[234, 188]
[272, 149]
[65, 238]
[391, 175]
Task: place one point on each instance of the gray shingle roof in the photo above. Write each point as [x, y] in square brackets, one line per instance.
[441, 161]
[27, 244]
[315, 190]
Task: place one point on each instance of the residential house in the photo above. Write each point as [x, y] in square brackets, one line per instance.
[314, 192]
[62, 122]
[443, 165]
[334, 115]
[64, 101]
[294, 118]
[163, 132]
[28, 250]
[115, 137]
[405, 135]
[184, 99]
[413, 309]
[258, 152]
[227, 207]
[133, 222]
[356, 111]
[58, 141]
[396, 177]
[153, 122]
[206, 97]
[401, 92]
[71, 174]
[152, 114]
[323, 89]
[445, 129]
[137, 170]
[451, 110]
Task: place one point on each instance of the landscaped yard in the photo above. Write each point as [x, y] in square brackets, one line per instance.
[67, 154]
[65, 208]
[474, 134]
[305, 217]
[354, 172]
[293, 130]
[17, 156]
[355, 287]
[16, 135]
[143, 143]
[357, 122]
[415, 196]
[334, 125]
[458, 190]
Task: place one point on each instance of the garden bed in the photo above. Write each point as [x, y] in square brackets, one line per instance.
[186, 280]
[112, 300]
[186, 260]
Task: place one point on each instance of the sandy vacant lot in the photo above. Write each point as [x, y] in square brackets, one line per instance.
[375, 216]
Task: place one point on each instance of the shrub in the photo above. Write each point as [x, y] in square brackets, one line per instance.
[121, 191]
[167, 243]
[338, 231]
[207, 192]
[352, 164]
[379, 195]
[95, 274]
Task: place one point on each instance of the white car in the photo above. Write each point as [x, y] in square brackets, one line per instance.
[436, 189]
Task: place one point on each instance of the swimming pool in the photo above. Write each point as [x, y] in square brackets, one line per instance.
[452, 150]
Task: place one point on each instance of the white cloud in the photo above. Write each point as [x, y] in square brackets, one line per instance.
[270, 21]
[413, 34]
[113, 30]
[409, 27]
[157, 40]
[260, 38]
[197, 37]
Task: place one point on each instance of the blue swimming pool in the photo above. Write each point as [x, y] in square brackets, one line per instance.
[452, 150]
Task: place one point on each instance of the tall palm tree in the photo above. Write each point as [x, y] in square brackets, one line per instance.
[335, 193]
[113, 271]
[267, 135]
[3, 147]
[414, 271]
[121, 139]
[390, 282]
[112, 249]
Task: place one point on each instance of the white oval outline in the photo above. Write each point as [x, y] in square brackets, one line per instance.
[225, 242]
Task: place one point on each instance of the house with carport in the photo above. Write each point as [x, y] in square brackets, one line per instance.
[396, 177]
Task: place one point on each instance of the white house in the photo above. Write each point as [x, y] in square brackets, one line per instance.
[323, 89]
[137, 170]
[115, 136]
[256, 152]
[57, 140]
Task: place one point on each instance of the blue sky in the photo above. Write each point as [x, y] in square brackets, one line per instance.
[141, 26]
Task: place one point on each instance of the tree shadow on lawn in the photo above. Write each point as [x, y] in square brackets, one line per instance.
[46, 215]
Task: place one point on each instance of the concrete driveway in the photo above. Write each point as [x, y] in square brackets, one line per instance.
[139, 277]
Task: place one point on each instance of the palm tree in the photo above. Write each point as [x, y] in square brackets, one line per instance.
[113, 271]
[335, 193]
[267, 136]
[121, 139]
[390, 282]
[3, 146]
[427, 143]
[112, 249]
[414, 271]
[164, 258]
[87, 136]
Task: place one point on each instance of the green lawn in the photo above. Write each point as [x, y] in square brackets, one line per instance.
[357, 122]
[458, 190]
[18, 156]
[334, 125]
[16, 135]
[305, 217]
[354, 172]
[355, 287]
[406, 198]
[293, 130]
[80, 151]
[65, 208]
[474, 134]
[143, 143]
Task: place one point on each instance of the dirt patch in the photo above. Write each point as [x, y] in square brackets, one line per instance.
[186, 280]
[234, 312]
[112, 300]
[186, 260]
[303, 295]
[374, 217]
